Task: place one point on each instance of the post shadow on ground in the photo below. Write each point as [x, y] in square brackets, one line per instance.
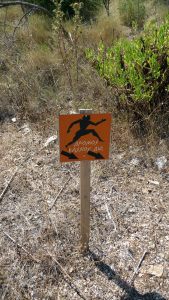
[130, 292]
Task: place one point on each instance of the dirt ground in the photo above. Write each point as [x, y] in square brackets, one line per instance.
[40, 222]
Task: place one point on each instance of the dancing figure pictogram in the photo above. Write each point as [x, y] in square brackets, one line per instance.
[84, 123]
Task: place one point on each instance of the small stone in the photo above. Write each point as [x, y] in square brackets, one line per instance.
[161, 162]
[154, 182]
[120, 156]
[72, 112]
[135, 162]
[13, 120]
[25, 129]
[145, 191]
[71, 269]
[50, 140]
[156, 270]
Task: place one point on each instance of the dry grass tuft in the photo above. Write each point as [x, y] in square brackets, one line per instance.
[156, 10]
[10, 13]
[105, 29]
[40, 58]
[40, 27]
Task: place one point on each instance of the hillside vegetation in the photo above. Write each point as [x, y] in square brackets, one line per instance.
[139, 71]
[108, 56]
[44, 69]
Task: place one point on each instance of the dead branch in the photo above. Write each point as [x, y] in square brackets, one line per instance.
[23, 248]
[8, 184]
[31, 5]
[12, 177]
[5, 20]
[20, 21]
[137, 269]
[26, 159]
[60, 192]
[106, 4]
[110, 216]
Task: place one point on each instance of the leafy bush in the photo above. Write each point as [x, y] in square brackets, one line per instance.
[166, 2]
[139, 70]
[132, 11]
[48, 4]
[88, 11]
[89, 8]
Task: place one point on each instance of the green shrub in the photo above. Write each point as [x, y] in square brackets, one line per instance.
[88, 11]
[48, 4]
[139, 70]
[132, 11]
[89, 8]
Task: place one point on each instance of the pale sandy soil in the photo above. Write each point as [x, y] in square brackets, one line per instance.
[129, 215]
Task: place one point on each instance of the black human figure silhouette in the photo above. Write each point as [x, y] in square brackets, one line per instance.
[84, 123]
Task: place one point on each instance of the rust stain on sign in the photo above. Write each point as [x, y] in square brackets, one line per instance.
[84, 137]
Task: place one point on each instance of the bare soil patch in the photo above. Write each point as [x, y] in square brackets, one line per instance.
[129, 218]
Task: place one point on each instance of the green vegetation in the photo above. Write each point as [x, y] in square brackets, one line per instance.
[139, 70]
[89, 8]
[48, 4]
[43, 58]
[132, 12]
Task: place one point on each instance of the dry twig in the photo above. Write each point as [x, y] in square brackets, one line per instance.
[60, 192]
[110, 216]
[23, 248]
[67, 276]
[136, 271]
[20, 21]
[61, 269]
[26, 159]
[8, 184]
[28, 4]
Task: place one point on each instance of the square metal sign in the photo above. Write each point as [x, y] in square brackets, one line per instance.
[84, 137]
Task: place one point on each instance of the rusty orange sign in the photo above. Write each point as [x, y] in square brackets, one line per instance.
[84, 137]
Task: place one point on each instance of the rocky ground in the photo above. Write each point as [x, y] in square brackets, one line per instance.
[40, 220]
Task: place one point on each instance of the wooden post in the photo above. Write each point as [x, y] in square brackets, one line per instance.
[85, 198]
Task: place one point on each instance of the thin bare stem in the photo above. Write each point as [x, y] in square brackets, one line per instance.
[20, 246]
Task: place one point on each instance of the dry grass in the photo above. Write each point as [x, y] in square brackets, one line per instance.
[106, 29]
[35, 85]
[37, 31]
[156, 11]
[38, 77]
[11, 13]
[40, 58]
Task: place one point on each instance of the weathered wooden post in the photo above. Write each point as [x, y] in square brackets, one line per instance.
[84, 137]
[85, 169]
